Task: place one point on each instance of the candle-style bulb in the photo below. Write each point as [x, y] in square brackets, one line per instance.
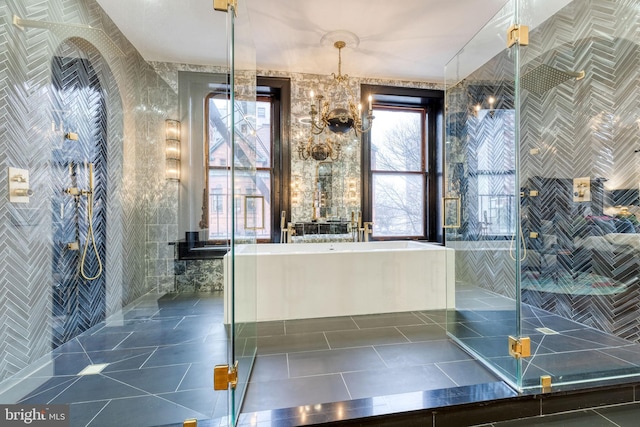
[311, 94]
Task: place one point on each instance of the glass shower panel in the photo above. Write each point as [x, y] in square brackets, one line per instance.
[247, 201]
[482, 194]
[580, 178]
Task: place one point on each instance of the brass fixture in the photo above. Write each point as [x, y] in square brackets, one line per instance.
[19, 191]
[367, 230]
[321, 150]
[190, 423]
[545, 382]
[73, 246]
[71, 136]
[223, 5]
[518, 34]
[23, 192]
[283, 230]
[223, 376]
[533, 235]
[339, 115]
[291, 231]
[519, 347]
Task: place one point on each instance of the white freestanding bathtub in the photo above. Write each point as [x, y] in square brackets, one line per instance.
[308, 280]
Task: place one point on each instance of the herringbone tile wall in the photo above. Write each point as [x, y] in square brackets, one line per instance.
[584, 128]
[131, 182]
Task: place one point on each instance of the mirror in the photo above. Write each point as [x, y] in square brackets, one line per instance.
[323, 192]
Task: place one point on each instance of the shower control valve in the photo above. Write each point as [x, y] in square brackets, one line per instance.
[19, 191]
[23, 192]
[72, 191]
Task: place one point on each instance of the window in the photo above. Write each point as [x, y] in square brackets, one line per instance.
[496, 172]
[402, 158]
[398, 172]
[259, 195]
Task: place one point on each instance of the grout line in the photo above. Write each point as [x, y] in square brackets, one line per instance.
[183, 377]
[65, 389]
[603, 416]
[70, 381]
[98, 413]
[381, 358]
[288, 368]
[324, 334]
[346, 386]
[180, 321]
[445, 374]
[147, 359]
[405, 337]
[84, 350]
[121, 341]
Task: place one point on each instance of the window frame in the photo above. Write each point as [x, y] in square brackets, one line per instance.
[277, 91]
[431, 101]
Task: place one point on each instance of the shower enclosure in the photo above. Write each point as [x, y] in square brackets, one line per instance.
[79, 213]
[541, 192]
[88, 257]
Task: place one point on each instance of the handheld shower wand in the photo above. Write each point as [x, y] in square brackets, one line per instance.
[91, 239]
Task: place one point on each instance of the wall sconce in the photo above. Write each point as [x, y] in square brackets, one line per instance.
[172, 150]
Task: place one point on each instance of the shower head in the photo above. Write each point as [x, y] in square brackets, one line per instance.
[543, 77]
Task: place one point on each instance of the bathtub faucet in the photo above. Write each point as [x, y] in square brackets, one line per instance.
[291, 231]
[367, 230]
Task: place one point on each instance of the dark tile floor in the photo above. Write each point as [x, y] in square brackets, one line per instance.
[160, 351]
[568, 351]
[302, 362]
[159, 355]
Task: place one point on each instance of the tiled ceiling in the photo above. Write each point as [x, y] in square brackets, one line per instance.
[408, 39]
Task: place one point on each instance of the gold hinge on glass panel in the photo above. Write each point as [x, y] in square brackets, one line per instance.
[223, 5]
[190, 423]
[545, 382]
[519, 347]
[518, 34]
[223, 376]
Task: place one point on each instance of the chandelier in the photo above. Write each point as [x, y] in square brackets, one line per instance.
[339, 114]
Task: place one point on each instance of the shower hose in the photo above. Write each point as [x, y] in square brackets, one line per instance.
[90, 240]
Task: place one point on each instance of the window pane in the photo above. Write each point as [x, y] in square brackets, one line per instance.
[219, 148]
[398, 204]
[219, 205]
[263, 135]
[253, 205]
[396, 140]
